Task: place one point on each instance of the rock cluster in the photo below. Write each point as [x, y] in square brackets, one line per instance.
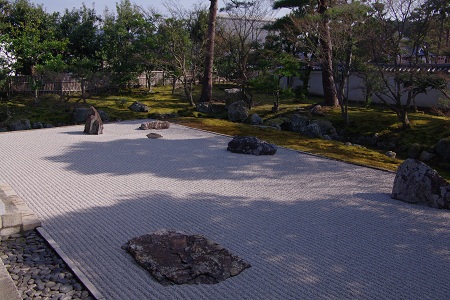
[415, 182]
[251, 145]
[37, 271]
[155, 125]
[176, 258]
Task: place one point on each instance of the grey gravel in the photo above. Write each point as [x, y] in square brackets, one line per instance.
[37, 271]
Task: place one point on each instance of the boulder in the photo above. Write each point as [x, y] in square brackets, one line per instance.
[37, 125]
[236, 95]
[415, 182]
[155, 125]
[138, 107]
[256, 120]
[204, 107]
[443, 149]
[176, 258]
[251, 145]
[326, 127]
[94, 124]
[81, 114]
[298, 122]
[20, 125]
[312, 131]
[237, 111]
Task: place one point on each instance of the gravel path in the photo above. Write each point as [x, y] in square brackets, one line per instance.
[311, 228]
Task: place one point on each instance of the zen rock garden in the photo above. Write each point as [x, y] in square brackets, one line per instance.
[174, 257]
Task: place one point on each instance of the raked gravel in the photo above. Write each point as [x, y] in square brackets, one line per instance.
[311, 228]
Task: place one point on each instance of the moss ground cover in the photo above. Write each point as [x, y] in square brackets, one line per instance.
[426, 129]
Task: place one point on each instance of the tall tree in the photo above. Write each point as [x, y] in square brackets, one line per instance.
[318, 8]
[123, 33]
[240, 32]
[206, 94]
[83, 56]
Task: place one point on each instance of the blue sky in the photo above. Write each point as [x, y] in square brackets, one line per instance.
[61, 5]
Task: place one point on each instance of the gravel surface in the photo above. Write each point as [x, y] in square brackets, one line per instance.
[37, 271]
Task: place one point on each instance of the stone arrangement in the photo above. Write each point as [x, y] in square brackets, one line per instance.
[251, 145]
[155, 125]
[415, 182]
[94, 124]
[176, 258]
[37, 271]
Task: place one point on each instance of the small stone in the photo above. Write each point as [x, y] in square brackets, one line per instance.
[154, 135]
[65, 288]
[50, 284]
[391, 154]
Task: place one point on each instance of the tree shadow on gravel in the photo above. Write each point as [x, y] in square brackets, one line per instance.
[364, 246]
[190, 159]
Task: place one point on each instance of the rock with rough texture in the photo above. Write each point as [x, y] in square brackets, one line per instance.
[415, 182]
[177, 258]
[138, 107]
[312, 131]
[94, 124]
[251, 145]
[20, 125]
[298, 122]
[443, 149]
[155, 125]
[154, 136]
[81, 114]
[256, 120]
[237, 111]
[326, 127]
[235, 95]
[204, 107]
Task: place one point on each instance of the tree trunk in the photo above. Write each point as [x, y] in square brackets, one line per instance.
[329, 87]
[206, 94]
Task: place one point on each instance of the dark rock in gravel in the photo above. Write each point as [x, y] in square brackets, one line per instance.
[94, 124]
[177, 258]
[251, 145]
[154, 136]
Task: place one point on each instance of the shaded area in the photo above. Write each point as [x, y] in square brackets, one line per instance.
[362, 246]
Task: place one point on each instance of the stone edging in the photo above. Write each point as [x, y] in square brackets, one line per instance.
[15, 215]
[76, 271]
